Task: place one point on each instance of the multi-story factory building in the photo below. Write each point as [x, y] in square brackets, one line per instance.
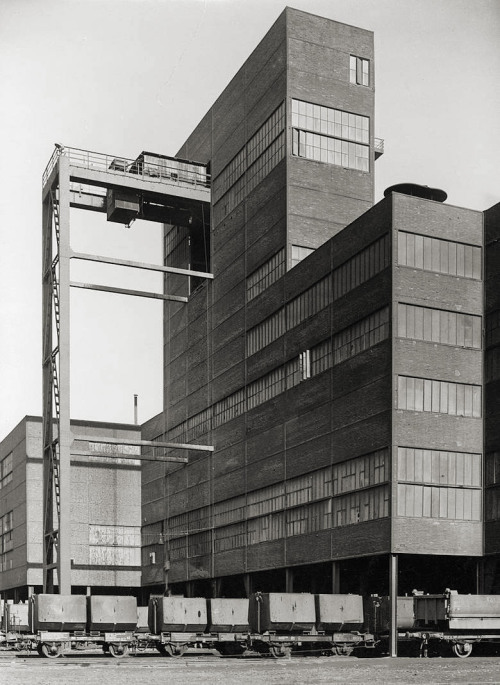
[105, 511]
[334, 362]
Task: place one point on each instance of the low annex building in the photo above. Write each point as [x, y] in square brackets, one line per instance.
[105, 512]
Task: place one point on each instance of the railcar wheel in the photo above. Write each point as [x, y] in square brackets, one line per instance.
[344, 650]
[172, 650]
[462, 649]
[230, 648]
[118, 650]
[49, 651]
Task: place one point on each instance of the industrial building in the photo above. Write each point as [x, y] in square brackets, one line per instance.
[105, 511]
[323, 356]
[334, 362]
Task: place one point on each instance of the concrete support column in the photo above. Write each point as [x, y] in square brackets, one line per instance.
[335, 577]
[216, 586]
[289, 580]
[480, 577]
[189, 588]
[247, 582]
[393, 595]
[88, 591]
[31, 590]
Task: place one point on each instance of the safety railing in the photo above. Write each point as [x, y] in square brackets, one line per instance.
[147, 166]
[378, 145]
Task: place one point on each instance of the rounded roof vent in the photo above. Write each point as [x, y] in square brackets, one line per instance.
[417, 190]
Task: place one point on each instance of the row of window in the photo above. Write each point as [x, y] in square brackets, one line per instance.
[439, 467]
[340, 281]
[440, 256]
[424, 501]
[251, 178]
[330, 122]
[349, 476]
[6, 470]
[261, 140]
[347, 343]
[320, 148]
[356, 507]
[430, 254]
[427, 395]
[266, 275]
[329, 135]
[439, 326]
[351, 341]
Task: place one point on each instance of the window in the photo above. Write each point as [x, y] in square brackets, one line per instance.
[6, 470]
[352, 273]
[439, 467]
[265, 275]
[434, 502]
[6, 540]
[115, 545]
[440, 256]
[359, 70]
[324, 134]
[425, 394]
[252, 163]
[440, 326]
[299, 253]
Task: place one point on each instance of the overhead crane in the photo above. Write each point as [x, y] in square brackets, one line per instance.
[153, 188]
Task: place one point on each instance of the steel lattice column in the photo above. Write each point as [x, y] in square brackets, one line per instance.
[56, 385]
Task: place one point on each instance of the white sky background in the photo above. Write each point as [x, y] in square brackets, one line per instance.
[122, 76]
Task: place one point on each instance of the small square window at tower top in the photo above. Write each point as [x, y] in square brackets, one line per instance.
[359, 70]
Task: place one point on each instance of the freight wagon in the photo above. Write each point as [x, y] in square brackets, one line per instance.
[448, 623]
[267, 623]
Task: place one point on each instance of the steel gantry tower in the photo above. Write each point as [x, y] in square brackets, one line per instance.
[151, 187]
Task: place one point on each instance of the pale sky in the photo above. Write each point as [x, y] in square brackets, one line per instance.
[122, 76]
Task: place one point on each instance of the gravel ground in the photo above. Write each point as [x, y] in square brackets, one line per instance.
[94, 669]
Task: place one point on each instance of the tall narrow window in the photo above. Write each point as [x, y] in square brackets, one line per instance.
[359, 71]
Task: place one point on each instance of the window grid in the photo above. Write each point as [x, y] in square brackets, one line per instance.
[439, 256]
[260, 154]
[265, 275]
[331, 122]
[425, 501]
[266, 387]
[6, 470]
[6, 540]
[351, 341]
[299, 253]
[319, 148]
[439, 326]
[427, 395]
[229, 408]
[345, 278]
[354, 340]
[351, 490]
[333, 136]
[439, 467]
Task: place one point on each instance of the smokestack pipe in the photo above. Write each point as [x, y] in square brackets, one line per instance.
[135, 410]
